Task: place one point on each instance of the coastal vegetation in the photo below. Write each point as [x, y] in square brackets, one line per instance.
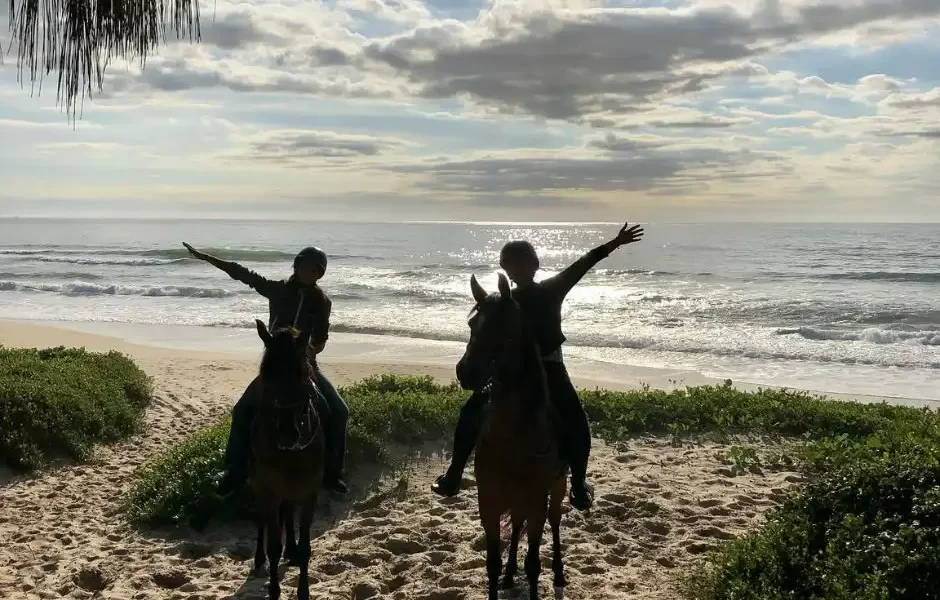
[866, 524]
[60, 402]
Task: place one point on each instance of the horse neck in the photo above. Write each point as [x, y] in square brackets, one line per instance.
[272, 372]
[523, 374]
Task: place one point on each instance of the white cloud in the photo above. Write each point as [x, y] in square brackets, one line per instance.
[551, 103]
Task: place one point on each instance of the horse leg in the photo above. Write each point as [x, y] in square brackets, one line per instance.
[533, 563]
[260, 555]
[303, 549]
[512, 563]
[554, 519]
[489, 514]
[272, 521]
[290, 542]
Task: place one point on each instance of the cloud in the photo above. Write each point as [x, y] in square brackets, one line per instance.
[597, 65]
[301, 147]
[406, 12]
[625, 166]
[926, 100]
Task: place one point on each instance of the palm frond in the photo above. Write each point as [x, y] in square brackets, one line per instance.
[76, 39]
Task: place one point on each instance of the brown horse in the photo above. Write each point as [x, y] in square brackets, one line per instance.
[518, 465]
[288, 454]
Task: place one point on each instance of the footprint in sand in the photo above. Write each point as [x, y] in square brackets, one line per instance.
[193, 550]
[170, 580]
[710, 502]
[402, 545]
[92, 580]
[715, 532]
[364, 590]
[700, 547]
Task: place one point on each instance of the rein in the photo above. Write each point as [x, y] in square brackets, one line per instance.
[301, 442]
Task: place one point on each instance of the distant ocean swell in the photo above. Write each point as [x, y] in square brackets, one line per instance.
[884, 276]
[93, 289]
[94, 255]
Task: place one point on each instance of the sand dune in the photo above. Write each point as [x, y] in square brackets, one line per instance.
[659, 506]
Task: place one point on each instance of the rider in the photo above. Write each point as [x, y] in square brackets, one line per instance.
[298, 302]
[541, 303]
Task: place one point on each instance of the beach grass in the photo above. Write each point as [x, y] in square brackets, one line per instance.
[866, 522]
[60, 402]
[385, 410]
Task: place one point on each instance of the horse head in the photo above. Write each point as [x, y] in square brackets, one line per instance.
[496, 327]
[285, 400]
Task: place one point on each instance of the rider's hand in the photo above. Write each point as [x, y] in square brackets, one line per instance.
[629, 235]
[196, 253]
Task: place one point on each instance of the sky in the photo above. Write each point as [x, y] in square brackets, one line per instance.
[535, 110]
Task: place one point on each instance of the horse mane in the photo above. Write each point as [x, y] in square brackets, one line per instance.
[530, 367]
[533, 368]
[278, 358]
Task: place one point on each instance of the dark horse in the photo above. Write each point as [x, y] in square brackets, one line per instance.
[518, 465]
[288, 454]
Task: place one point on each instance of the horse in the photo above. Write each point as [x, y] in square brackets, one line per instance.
[288, 451]
[518, 464]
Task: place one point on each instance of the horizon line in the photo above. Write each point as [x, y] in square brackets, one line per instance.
[448, 221]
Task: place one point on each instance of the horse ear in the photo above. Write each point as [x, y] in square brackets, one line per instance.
[479, 294]
[504, 291]
[303, 339]
[263, 332]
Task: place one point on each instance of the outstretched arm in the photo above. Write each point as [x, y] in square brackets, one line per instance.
[263, 286]
[562, 283]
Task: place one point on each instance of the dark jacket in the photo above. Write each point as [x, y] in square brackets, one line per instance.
[541, 302]
[289, 303]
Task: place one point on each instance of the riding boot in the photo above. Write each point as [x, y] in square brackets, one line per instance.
[581, 495]
[465, 438]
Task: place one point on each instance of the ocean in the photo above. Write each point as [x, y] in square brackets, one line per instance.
[840, 308]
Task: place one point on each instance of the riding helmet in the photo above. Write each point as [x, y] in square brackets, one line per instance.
[518, 250]
[312, 254]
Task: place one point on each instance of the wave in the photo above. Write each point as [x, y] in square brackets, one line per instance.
[77, 275]
[223, 253]
[872, 335]
[651, 344]
[131, 262]
[886, 276]
[892, 276]
[364, 330]
[166, 255]
[93, 289]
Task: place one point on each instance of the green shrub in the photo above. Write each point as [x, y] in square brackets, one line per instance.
[868, 530]
[60, 402]
[181, 480]
[384, 410]
[615, 415]
[388, 410]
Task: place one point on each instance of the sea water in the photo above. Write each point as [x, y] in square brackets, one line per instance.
[847, 308]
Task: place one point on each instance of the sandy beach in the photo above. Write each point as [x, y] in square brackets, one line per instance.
[660, 505]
